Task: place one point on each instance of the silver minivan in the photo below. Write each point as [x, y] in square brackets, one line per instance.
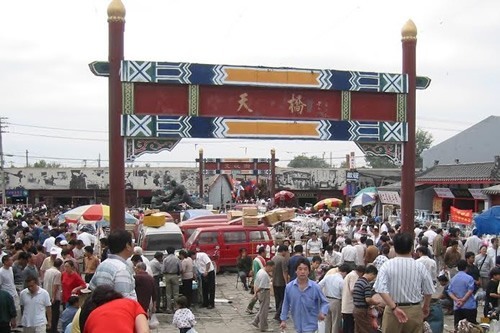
[154, 239]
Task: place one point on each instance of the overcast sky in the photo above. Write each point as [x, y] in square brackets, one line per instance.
[56, 108]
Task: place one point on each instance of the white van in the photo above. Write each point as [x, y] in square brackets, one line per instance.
[154, 239]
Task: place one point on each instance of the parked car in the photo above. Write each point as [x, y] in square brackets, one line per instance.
[153, 239]
[222, 243]
[189, 227]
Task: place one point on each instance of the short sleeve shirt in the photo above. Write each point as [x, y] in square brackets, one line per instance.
[123, 311]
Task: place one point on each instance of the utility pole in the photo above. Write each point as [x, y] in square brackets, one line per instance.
[99, 161]
[27, 160]
[2, 170]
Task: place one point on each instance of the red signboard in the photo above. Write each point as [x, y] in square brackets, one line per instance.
[255, 102]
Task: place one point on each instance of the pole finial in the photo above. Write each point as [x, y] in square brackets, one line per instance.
[409, 30]
[273, 151]
[116, 11]
[200, 150]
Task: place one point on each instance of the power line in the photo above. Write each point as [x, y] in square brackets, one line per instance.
[58, 128]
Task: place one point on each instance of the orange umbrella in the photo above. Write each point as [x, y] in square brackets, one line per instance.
[328, 203]
[283, 195]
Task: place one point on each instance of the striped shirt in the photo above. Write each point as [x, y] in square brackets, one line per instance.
[114, 271]
[362, 290]
[405, 280]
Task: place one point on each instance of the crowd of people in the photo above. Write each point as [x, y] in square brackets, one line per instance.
[367, 276]
[351, 274]
[48, 268]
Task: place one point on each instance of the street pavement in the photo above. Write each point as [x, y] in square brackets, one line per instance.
[229, 314]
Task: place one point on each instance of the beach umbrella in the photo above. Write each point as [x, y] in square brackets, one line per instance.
[363, 199]
[328, 203]
[283, 195]
[93, 213]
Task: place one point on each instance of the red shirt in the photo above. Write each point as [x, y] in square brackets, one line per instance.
[70, 282]
[123, 312]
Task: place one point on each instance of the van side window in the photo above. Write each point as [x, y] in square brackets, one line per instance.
[258, 236]
[235, 237]
[207, 238]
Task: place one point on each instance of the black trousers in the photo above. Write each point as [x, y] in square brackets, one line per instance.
[469, 314]
[157, 279]
[5, 327]
[279, 296]
[187, 290]
[56, 312]
[348, 323]
[208, 289]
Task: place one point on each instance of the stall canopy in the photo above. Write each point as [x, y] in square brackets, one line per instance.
[488, 222]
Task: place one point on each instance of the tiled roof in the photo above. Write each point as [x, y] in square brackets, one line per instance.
[491, 190]
[459, 172]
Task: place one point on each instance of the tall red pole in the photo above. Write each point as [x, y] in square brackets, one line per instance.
[200, 168]
[409, 43]
[272, 183]
[116, 24]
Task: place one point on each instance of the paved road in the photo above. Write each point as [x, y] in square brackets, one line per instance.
[229, 314]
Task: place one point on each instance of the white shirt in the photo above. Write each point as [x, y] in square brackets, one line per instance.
[48, 243]
[405, 279]
[333, 259]
[87, 238]
[349, 253]
[430, 234]
[332, 285]
[314, 246]
[360, 254]
[473, 244]
[262, 280]
[7, 281]
[349, 282]
[52, 277]
[431, 266]
[201, 261]
[34, 307]
[492, 253]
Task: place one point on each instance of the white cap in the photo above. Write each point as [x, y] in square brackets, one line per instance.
[138, 250]
[54, 251]
[63, 242]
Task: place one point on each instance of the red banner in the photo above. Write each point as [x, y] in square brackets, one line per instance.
[460, 215]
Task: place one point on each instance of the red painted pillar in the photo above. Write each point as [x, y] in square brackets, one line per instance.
[116, 23]
[272, 183]
[409, 43]
[200, 171]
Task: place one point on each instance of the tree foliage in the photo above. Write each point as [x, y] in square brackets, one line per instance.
[303, 161]
[423, 141]
[44, 164]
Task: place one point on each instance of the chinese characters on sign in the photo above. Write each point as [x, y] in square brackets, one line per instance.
[352, 176]
[296, 104]
[389, 197]
[243, 102]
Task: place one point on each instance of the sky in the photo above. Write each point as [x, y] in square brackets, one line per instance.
[56, 110]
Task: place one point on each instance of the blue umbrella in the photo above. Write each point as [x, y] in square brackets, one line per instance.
[363, 199]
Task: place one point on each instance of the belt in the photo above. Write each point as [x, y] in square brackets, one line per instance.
[407, 304]
[172, 273]
[331, 297]
[361, 306]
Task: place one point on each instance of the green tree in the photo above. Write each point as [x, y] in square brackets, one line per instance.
[423, 141]
[45, 164]
[303, 161]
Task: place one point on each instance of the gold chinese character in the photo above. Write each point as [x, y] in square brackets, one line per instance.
[296, 104]
[244, 103]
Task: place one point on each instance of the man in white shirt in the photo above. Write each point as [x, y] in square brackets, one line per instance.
[52, 284]
[493, 251]
[49, 243]
[430, 264]
[360, 251]
[87, 238]
[332, 286]
[262, 285]
[205, 268]
[314, 246]
[7, 282]
[36, 304]
[473, 243]
[349, 254]
[430, 234]
[347, 301]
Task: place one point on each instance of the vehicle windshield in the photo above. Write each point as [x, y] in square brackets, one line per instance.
[160, 242]
[191, 238]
